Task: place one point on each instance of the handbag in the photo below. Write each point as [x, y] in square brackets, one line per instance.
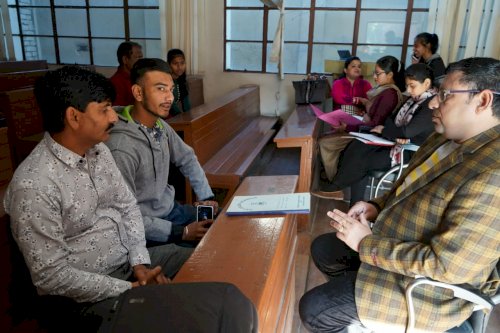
[310, 91]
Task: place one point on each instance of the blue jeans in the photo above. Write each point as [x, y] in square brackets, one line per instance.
[182, 214]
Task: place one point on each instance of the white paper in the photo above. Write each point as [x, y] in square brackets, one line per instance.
[298, 203]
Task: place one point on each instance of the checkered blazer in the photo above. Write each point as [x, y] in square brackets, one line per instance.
[446, 226]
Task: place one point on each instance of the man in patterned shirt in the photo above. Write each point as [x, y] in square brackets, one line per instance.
[72, 215]
[440, 220]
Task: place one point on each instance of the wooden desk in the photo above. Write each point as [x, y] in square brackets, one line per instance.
[301, 130]
[255, 253]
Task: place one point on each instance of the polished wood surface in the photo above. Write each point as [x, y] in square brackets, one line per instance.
[255, 253]
[301, 130]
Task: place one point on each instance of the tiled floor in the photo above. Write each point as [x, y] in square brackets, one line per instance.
[285, 161]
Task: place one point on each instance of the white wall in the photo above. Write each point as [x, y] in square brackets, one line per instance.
[276, 96]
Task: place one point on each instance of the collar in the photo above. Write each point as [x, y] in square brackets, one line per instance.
[126, 115]
[67, 156]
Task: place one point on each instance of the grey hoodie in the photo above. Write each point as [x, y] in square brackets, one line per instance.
[145, 165]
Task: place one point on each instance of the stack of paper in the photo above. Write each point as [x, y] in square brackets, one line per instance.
[371, 139]
[293, 203]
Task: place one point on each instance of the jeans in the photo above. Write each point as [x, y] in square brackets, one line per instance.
[182, 214]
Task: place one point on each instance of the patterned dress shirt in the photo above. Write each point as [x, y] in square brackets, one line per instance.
[75, 221]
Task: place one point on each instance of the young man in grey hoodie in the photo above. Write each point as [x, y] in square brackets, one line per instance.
[143, 146]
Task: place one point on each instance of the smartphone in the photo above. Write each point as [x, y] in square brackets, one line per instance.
[204, 213]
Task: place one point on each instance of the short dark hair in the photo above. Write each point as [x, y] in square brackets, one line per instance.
[173, 53]
[426, 38]
[144, 65]
[480, 73]
[69, 86]
[126, 49]
[419, 72]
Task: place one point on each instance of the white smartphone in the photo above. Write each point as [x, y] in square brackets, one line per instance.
[204, 213]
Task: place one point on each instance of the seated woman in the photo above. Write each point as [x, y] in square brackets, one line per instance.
[413, 122]
[350, 85]
[425, 46]
[177, 62]
[381, 102]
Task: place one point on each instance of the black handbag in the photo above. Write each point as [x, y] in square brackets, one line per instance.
[310, 91]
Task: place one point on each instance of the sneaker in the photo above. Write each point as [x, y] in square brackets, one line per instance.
[335, 195]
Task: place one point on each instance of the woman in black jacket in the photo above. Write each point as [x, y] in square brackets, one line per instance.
[411, 123]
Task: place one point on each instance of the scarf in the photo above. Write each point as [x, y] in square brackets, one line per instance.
[403, 118]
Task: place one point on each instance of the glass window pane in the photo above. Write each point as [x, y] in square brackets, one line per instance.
[295, 60]
[244, 24]
[36, 21]
[244, 56]
[151, 48]
[391, 4]
[107, 22]
[144, 23]
[143, 3]
[18, 50]
[409, 52]
[381, 27]
[296, 25]
[298, 3]
[325, 52]
[71, 22]
[244, 3]
[324, 31]
[42, 3]
[40, 48]
[418, 25]
[372, 53]
[14, 23]
[110, 3]
[102, 48]
[74, 51]
[421, 3]
[69, 3]
[336, 3]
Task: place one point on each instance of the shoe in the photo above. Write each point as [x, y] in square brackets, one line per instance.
[335, 195]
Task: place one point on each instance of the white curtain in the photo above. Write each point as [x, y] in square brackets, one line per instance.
[278, 42]
[184, 28]
[477, 30]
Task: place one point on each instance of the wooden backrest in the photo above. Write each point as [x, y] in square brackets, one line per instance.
[21, 110]
[20, 66]
[195, 84]
[19, 80]
[210, 126]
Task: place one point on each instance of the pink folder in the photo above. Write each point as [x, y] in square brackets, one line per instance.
[336, 117]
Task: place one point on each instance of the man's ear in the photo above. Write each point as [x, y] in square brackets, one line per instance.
[72, 117]
[137, 92]
[485, 101]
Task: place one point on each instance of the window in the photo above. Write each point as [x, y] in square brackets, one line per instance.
[82, 31]
[316, 29]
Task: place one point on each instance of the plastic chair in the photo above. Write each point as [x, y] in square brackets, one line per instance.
[387, 178]
[476, 323]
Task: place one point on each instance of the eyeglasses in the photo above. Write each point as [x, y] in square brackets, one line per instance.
[444, 93]
[377, 74]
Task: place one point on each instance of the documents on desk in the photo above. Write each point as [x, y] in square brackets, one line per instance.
[371, 139]
[293, 203]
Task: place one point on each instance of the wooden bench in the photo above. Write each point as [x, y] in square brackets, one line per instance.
[226, 134]
[255, 253]
[301, 130]
[22, 66]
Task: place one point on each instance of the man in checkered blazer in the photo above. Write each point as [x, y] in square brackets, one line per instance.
[440, 220]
